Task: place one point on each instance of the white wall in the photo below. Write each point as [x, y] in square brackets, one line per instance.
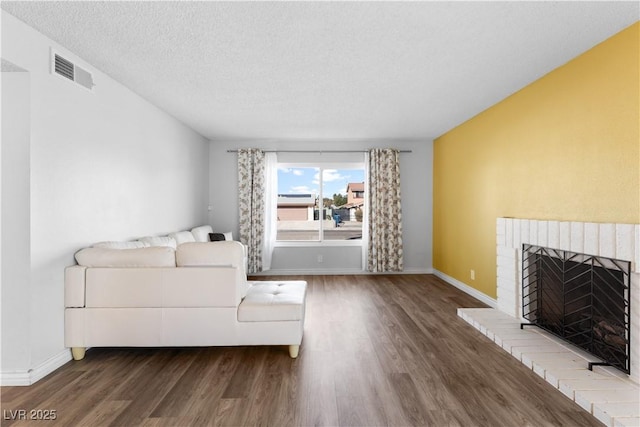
[15, 227]
[417, 189]
[105, 165]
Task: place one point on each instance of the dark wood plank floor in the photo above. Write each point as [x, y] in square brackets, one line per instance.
[377, 350]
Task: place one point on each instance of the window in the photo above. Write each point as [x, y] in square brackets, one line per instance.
[315, 202]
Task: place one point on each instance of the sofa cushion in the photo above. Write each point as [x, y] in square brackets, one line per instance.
[182, 237]
[160, 256]
[159, 241]
[272, 301]
[121, 245]
[220, 254]
[201, 234]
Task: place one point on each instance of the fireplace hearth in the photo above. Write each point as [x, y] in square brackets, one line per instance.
[581, 298]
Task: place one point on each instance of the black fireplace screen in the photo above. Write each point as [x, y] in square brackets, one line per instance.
[581, 298]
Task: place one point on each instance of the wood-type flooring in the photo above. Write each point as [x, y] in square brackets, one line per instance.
[377, 350]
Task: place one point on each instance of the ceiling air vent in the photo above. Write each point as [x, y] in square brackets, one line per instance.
[67, 69]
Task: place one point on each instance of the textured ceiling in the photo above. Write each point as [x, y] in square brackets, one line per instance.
[325, 70]
[9, 67]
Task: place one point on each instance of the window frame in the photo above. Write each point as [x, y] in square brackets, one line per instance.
[321, 166]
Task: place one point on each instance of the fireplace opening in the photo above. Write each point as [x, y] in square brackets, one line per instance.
[581, 298]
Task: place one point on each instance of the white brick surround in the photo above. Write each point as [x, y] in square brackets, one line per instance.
[620, 241]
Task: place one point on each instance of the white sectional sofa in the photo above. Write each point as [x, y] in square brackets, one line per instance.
[193, 293]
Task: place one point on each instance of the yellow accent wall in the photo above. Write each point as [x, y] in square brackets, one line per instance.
[566, 147]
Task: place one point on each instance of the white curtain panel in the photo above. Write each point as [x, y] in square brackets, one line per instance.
[365, 215]
[251, 194]
[271, 208]
[384, 249]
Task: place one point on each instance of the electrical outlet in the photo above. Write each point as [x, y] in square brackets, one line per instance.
[320, 258]
[473, 275]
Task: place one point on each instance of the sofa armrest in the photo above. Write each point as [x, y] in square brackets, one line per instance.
[74, 286]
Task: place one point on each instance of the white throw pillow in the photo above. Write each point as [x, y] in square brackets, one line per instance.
[121, 245]
[182, 237]
[159, 241]
[201, 234]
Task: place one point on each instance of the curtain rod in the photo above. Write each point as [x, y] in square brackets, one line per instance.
[318, 151]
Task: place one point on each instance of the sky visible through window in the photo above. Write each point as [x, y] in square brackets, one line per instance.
[303, 180]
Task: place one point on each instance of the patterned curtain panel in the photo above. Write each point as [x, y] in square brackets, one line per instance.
[385, 213]
[251, 190]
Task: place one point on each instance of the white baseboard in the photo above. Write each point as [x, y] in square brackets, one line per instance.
[418, 271]
[326, 272]
[15, 378]
[467, 289]
[20, 378]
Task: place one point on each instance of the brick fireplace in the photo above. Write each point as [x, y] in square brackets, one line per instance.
[620, 241]
[610, 395]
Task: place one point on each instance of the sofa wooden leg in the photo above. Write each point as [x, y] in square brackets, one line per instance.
[78, 353]
[293, 351]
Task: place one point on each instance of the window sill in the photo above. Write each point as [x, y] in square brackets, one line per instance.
[316, 243]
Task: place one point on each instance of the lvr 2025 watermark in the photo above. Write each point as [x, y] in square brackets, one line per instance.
[31, 414]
